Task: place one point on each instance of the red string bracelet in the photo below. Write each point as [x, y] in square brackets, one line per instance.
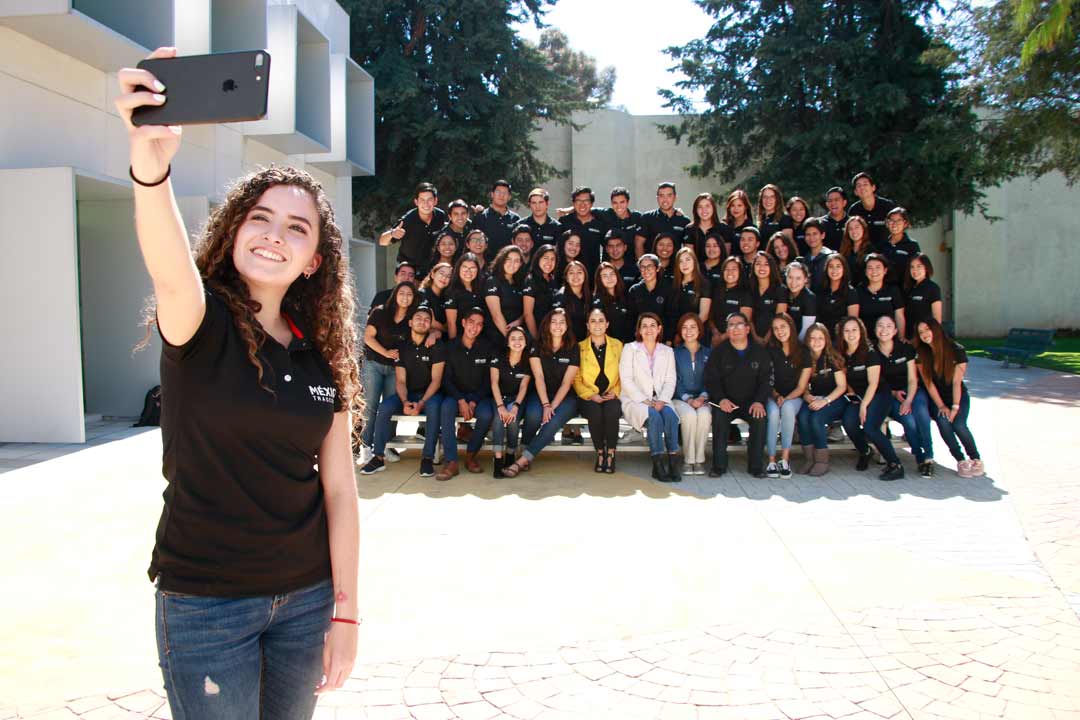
[345, 620]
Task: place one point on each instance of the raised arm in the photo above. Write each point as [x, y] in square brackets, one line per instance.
[163, 239]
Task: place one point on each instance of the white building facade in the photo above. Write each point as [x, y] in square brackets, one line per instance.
[72, 281]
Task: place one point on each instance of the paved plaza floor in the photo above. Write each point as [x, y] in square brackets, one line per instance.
[565, 594]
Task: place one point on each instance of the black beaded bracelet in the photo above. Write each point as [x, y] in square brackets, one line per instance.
[153, 184]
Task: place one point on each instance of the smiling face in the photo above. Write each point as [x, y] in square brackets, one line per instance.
[557, 327]
[748, 243]
[738, 209]
[761, 267]
[539, 206]
[768, 200]
[615, 248]
[582, 204]
[665, 198]
[816, 341]
[896, 224]
[420, 323]
[477, 244]
[458, 217]
[468, 271]
[516, 340]
[512, 264]
[472, 326]
[917, 270]
[441, 277]
[855, 231]
[278, 239]
[704, 209]
[926, 335]
[572, 246]
[404, 296]
[620, 204]
[796, 279]
[781, 330]
[686, 264]
[835, 202]
[875, 271]
[780, 250]
[834, 269]
[885, 329]
[425, 203]
[405, 273]
[852, 335]
[864, 188]
[649, 329]
[547, 262]
[689, 331]
[609, 278]
[524, 242]
[575, 276]
[598, 324]
[648, 270]
[447, 246]
[738, 329]
[712, 248]
[665, 248]
[732, 274]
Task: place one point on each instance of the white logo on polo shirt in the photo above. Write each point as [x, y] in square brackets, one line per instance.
[322, 393]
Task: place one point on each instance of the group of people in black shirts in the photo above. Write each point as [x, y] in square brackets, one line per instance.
[677, 323]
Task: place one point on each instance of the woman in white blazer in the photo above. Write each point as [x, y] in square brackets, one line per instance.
[647, 376]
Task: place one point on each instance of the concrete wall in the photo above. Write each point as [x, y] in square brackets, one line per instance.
[64, 149]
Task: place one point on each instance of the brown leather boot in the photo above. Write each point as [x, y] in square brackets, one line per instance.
[449, 470]
[821, 463]
[808, 459]
[471, 464]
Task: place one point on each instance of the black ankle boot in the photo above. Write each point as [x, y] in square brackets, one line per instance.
[497, 468]
[864, 460]
[674, 468]
[508, 460]
[659, 472]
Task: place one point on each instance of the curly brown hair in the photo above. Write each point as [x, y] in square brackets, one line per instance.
[324, 302]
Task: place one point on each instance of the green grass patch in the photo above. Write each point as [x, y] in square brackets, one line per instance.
[1063, 355]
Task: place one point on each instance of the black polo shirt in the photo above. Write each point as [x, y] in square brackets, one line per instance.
[785, 373]
[764, 305]
[885, 301]
[805, 304]
[459, 236]
[834, 231]
[656, 221]
[769, 225]
[799, 236]
[726, 301]
[629, 273]
[542, 291]
[244, 512]
[743, 378]
[713, 274]
[639, 299]
[899, 257]
[943, 384]
[833, 306]
[420, 236]
[696, 237]
[620, 320]
[418, 361]
[387, 332]
[822, 377]
[858, 372]
[556, 365]
[467, 369]
[546, 233]
[816, 265]
[592, 234]
[894, 366]
[917, 306]
[459, 300]
[511, 376]
[499, 228]
[437, 303]
[879, 234]
[684, 300]
[626, 227]
[731, 237]
[575, 311]
[511, 301]
[380, 299]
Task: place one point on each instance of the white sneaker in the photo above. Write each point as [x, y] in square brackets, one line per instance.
[392, 455]
[697, 469]
[785, 469]
[772, 470]
[365, 455]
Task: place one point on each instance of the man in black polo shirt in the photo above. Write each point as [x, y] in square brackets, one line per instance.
[545, 230]
[418, 229]
[663, 219]
[404, 272]
[459, 225]
[467, 391]
[837, 217]
[899, 248]
[497, 220]
[749, 244]
[819, 254]
[649, 293]
[419, 372]
[738, 378]
[590, 225]
[872, 207]
[615, 253]
[620, 219]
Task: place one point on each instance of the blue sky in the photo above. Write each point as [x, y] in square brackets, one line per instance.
[631, 36]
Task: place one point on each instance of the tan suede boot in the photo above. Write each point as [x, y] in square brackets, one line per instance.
[821, 463]
[808, 459]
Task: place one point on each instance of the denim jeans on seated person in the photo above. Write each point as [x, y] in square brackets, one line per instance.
[544, 434]
[244, 658]
[814, 424]
[877, 414]
[862, 435]
[662, 428]
[504, 436]
[781, 419]
[379, 382]
[391, 406]
[956, 432]
[485, 409]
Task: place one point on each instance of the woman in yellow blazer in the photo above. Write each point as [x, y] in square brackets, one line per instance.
[597, 385]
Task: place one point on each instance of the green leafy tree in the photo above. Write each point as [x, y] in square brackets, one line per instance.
[1054, 28]
[803, 94]
[458, 94]
[1030, 118]
[594, 86]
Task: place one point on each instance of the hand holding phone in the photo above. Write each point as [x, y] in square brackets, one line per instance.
[152, 146]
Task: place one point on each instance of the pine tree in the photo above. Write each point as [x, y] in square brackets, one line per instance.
[458, 94]
[804, 94]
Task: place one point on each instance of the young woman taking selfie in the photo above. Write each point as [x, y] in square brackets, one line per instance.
[257, 547]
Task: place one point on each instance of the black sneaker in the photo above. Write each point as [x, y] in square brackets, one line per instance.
[427, 467]
[926, 468]
[376, 464]
[864, 461]
[892, 472]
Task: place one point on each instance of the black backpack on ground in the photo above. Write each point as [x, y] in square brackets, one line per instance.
[151, 411]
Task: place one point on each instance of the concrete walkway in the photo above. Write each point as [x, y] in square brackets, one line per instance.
[566, 594]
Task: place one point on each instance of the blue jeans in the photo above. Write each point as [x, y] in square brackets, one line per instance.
[875, 415]
[662, 428]
[391, 406]
[814, 424]
[254, 658]
[503, 436]
[544, 434]
[378, 382]
[781, 419]
[485, 409]
[953, 433]
[862, 435]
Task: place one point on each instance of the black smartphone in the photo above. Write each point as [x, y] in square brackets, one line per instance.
[206, 89]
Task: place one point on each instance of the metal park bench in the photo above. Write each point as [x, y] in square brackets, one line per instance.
[1021, 344]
